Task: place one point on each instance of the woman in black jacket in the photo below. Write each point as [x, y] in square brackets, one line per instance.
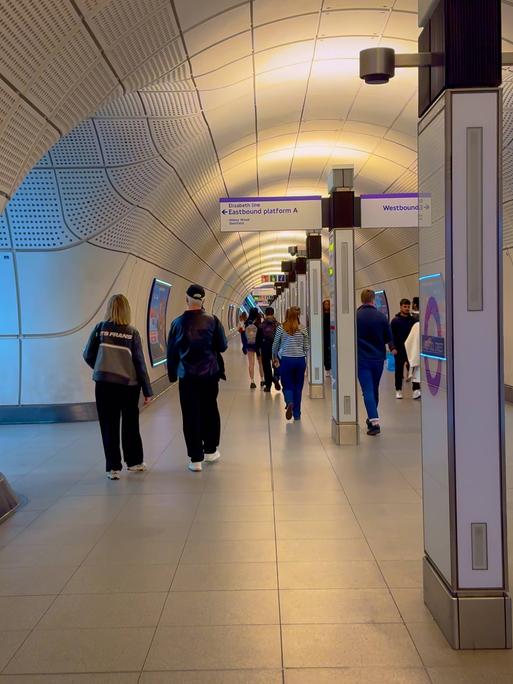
[114, 351]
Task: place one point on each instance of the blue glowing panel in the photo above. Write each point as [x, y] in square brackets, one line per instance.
[157, 330]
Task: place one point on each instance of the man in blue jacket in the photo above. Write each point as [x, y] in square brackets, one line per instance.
[373, 333]
[195, 344]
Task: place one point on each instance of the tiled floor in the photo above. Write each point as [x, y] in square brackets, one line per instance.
[290, 561]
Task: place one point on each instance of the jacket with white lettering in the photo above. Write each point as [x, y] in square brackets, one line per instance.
[115, 354]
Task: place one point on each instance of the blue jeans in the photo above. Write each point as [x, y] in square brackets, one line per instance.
[369, 375]
[292, 371]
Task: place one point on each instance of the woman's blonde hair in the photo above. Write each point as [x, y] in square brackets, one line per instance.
[118, 310]
[291, 324]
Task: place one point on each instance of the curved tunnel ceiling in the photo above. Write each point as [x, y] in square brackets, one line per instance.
[194, 100]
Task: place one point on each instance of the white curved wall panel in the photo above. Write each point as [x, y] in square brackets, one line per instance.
[9, 371]
[62, 290]
[52, 370]
[8, 295]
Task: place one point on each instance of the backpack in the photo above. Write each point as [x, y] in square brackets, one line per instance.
[251, 333]
[268, 331]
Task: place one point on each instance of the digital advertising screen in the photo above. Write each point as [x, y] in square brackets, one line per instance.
[157, 330]
[381, 303]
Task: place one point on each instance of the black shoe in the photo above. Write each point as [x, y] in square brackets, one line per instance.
[262, 383]
[252, 386]
[288, 411]
[277, 385]
[267, 389]
[373, 430]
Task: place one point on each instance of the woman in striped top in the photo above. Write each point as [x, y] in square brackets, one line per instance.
[290, 347]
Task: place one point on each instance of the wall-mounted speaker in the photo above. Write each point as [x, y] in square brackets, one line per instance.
[301, 265]
[313, 247]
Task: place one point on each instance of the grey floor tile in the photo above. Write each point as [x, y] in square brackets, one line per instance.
[237, 498]
[231, 531]
[313, 511]
[411, 605]
[215, 648]
[386, 645]
[82, 650]
[9, 643]
[402, 574]
[405, 547]
[103, 678]
[260, 551]
[22, 612]
[213, 677]
[38, 556]
[149, 531]
[353, 675]
[337, 606]
[63, 534]
[225, 576]
[34, 581]
[101, 610]
[330, 575]
[138, 552]
[347, 528]
[106, 579]
[311, 497]
[221, 608]
[323, 550]
[209, 513]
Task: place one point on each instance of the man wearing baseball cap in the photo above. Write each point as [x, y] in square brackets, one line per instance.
[196, 340]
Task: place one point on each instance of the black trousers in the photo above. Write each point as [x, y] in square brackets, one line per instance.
[201, 419]
[401, 360]
[119, 404]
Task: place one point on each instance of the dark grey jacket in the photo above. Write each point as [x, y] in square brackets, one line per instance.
[196, 341]
[115, 353]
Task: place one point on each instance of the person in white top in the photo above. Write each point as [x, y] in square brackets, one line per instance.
[290, 349]
[412, 346]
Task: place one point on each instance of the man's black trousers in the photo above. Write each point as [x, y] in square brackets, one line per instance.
[119, 404]
[201, 419]
[401, 360]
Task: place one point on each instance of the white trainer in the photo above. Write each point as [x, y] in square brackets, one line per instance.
[195, 466]
[139, 468]
[416, 394]
[210, 458]
[398, 394]
[113, 474]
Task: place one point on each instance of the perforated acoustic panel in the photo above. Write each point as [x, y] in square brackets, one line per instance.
[35, 213]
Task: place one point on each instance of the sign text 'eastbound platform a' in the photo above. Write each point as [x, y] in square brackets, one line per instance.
[245, 214]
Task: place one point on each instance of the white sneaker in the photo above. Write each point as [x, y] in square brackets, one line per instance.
[195, 466]
[398, 394]
[210, 458]
[416, 394]
[139, 468]
[113, 474]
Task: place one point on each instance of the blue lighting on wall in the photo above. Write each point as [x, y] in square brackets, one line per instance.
[429, 277]
[431, 356]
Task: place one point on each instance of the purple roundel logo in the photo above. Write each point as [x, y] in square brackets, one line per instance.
[433, 346]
